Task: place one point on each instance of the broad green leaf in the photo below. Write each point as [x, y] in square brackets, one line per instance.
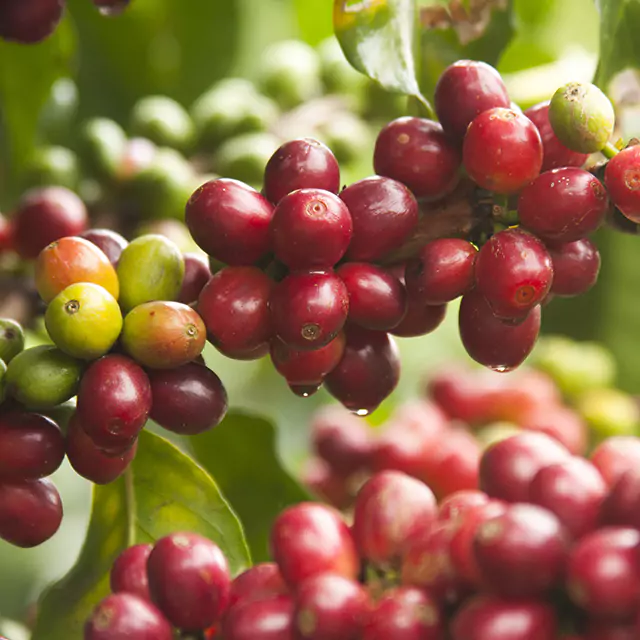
[165, 492]
[314, 20]
[241, 455]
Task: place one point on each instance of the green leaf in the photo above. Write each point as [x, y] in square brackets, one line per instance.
[619, 44]
[380, 39]
[241, 455]
[314, 20]
[164, 492]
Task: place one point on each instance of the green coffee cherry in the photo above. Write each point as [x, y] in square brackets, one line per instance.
[163, 121]
[609, 412]
[101, 146]
[338, 76]
[348, 136]
[244, 157]
[53, 165]
[57, 118]
[11, 339]
[582, 117]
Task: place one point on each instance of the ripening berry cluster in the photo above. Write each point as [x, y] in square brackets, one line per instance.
[548, 548]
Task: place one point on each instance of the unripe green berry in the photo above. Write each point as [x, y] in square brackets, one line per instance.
[609, 412]
[163, 121]
[53, 165]
[244, 157]
[101, 146]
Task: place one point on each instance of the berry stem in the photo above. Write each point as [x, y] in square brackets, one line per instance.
[610, 150]
[425, 107]
[130, 502]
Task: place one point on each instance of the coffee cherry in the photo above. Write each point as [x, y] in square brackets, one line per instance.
[90, 461]
[308, 539]
[30, 512]
[464, 90]
[187, 400]
[300, 164]
[322, 481]
[492, 342]
[513, 271]
[389, 509]
[260, 582]
[502, 150]
[31, 446]
[114, 400]
[125, 616]
[620, 507]
[6, 234]
[189, 580]
[234, 305]
[508, 467]
[405, 613]
[420, 319]
[265, 619]
[230, 221]
[109, 242]
[45, 215]
[308, 309]
[129, 571]
[455, 506]
[622, 177]
[416, 152]
[311, 229]
[196, 275]
[602, 576]
[615, 456]
[11, 339]
[368, 372]
[606, 630]
[330, 607]
[29, 21]
[576, 266]
[556, 155]
[384, 214]
[561, 423]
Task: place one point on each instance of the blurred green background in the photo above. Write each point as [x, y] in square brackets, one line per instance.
[181, 48]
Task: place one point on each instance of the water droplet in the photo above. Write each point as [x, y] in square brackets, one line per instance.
[362, 412]
[501, 368]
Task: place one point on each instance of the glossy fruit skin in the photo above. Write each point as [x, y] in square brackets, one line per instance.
[261, 581]
[563, 205]
[163, 335]
[234, 306]
[308, 539]
[188, 400]
[30, 512]
[197, 273]
[125, 616]
[555, 153]
[615, 456]
[514, 272]
[230, 221]
[43, 216]
[114, 401]
[112, 244]
[30, 21]
[418, 153]
[420, 319]
[308, 309]
[31, 446]
[368, 372]
[72, 260]
[384, 213]
[90, 461]
[491, 342]
[620, 507]
[6, 234]
[11, 339]
[576, 266]
[622, 178]
[405, 613]
[129, 571]
[264, 619]
[464, 90]
[502, 150]
[443, 271]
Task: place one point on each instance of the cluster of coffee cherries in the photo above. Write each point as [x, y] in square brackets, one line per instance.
[547, 548]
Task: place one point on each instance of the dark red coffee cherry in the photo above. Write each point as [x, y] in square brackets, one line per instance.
[513, 271]
[30, 512]
[187, 400]
[129, 571]
[307, 368]
[234, 306]
[326, 484]
[576, 266]
[405, 613]
[308, 539]
[622, 177]
[490, 341]
[230, 221]
[112, 244]
[621, 507]
[89, 461]
[377, 299]
[384, 214]
[31, 446]
[300, 164]
[44, 215]
[563, 205]
[555, 153]
[420, 319]
[114, 400]
[264, 619]
[29, 21]
[125, 616]
[308, 309]
[262, 581]
[464, 90]
[416, 152]
[196, 275]
[502, 150]
[443, 271]
[189, 580]
[368, 372]
[311, 229]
